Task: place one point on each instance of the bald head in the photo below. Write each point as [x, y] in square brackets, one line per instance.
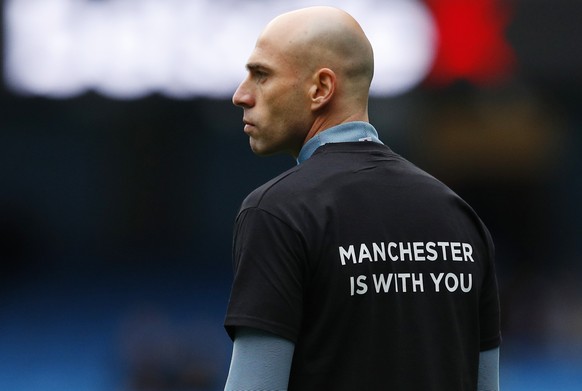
[310, 70]
[318, 37]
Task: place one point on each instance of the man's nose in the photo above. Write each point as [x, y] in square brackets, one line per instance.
[242, 96]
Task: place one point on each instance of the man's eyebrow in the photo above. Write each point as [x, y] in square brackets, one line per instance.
[253, 66]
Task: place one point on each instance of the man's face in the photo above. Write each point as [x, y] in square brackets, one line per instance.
[274, 98]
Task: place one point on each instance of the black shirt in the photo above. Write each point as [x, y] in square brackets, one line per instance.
[381, 275]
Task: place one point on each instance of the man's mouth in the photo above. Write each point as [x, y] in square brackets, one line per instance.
[248, 125]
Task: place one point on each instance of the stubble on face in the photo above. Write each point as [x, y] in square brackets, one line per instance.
[279, 119]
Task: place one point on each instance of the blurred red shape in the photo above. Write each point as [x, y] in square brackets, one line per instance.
[471, 41]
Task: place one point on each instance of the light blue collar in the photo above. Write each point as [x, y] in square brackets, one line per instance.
[344, 133]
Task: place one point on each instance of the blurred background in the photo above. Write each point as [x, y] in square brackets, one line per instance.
[123, 164]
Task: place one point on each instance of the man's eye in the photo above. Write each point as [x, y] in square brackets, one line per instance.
[260, 75]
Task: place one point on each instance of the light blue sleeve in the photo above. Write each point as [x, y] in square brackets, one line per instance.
[260, 361]
[488, 370]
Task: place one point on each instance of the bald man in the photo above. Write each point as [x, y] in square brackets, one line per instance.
[354, 270]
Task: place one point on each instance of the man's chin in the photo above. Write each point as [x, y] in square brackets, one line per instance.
[262, 150]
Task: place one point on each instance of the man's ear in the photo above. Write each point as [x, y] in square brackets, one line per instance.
[322, 89]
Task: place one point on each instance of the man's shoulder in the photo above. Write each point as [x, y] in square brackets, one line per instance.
[278, 190]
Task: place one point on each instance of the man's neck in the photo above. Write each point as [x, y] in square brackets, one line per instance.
[345, 132]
